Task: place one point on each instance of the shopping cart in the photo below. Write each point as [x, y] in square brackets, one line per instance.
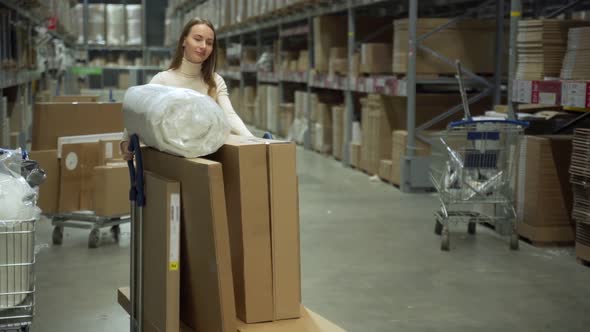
[473, 169]
[17, 279]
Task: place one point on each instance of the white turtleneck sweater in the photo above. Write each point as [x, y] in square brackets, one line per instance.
[189, 76]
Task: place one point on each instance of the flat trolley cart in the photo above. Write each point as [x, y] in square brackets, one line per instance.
[474, 165]
[86, 220]
[17, 278]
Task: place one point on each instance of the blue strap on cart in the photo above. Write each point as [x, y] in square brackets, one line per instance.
[136, 192]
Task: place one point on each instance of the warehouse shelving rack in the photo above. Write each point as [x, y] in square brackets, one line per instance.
[138, 73]
[22, 81]
[414, 169]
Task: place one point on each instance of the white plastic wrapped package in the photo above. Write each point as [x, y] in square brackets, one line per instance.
[115, 24]
[175, 120]
[17, 199]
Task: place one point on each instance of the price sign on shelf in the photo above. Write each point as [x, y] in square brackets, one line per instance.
[576, 94]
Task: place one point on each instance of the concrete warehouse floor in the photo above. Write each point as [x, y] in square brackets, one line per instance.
[370, 262]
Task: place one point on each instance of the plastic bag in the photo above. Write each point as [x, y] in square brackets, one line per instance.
[175, 120]
[18, 199]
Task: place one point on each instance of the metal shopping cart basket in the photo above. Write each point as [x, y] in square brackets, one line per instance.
[17, 279]
[474, 164]
[473, 169]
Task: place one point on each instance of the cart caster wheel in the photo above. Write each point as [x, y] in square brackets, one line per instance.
[471, 227]
[116, 232]
[445, 242]
[26, 328]
[438, 227]
[57, 236]
[94, 238]
[514, 243]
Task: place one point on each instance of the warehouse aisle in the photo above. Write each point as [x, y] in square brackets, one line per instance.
[370, 262]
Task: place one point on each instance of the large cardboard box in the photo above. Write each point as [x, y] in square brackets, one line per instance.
[161, 254]
[376, 58]
[76, 180]
[475, 49]
[309, 321]
[53, 120]
[245, 177]
[74, 98]
[111, 190]
[385, 170]
[355, 155]
[49, 190]
[207, 301]
[338, 131]
[544, 180]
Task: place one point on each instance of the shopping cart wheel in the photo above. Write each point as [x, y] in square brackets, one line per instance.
[58, 235]
[445, 241]
[438, 227]
[471, 227]
[26, 328]
[94, 238]
[116, 232]
[514, 244]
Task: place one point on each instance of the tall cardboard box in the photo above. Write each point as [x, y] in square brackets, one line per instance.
[111, 190]
[328, 33]
[76, 180]
[161, 254]
[544, 180]
[399, 142]
[245, 177]
[54, 120]
[207, 299]
[355, 155]
[337, 131]
[49, 190]
[385, 170]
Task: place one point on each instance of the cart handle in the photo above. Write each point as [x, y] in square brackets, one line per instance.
[523, 124]
[136, 192]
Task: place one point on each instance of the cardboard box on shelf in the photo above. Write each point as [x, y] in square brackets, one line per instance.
[245, 177]
[54, 120]
[161, 257]
[337, 131]
[124, 81]
[476, 52]
[111, 190]
[287, 116]
[207, 301]
[399, 142]
[14, 140]
[75, 98]
[544, 180]
[48, 190]
[376, 58]
[309, 321]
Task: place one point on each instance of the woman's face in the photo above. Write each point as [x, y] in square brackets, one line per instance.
[198, 45]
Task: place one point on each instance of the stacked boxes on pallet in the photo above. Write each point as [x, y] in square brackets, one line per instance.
[338, 131]
[576, 64]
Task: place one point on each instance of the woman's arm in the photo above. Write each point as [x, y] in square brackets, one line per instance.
[237, 125]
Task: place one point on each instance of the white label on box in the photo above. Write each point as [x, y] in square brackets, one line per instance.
[108, 153]
[71, 161]
[402, 88]
[547, 98]
[574, 94]
[174, 258]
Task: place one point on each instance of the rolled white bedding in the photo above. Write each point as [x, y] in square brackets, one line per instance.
[175, 120]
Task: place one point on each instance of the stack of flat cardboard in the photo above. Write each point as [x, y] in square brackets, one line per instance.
[541, 47]
[287, 114]
[471, 41]
[543, 181]
[376, 58]
[322, 128]
[580, 175]
[576, 64]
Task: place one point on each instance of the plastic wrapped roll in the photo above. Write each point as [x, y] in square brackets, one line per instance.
[134, 24]
[96, 24]
[79, 23]
[115, 24]
[175, 120]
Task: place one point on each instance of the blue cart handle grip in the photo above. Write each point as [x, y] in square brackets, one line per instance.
[461, 123]
[136, 193]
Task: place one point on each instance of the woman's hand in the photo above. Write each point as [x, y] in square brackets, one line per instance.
[127, 155]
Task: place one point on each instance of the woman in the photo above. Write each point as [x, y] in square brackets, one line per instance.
[193, 67]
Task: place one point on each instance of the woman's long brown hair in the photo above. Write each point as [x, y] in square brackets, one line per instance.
[208, 67]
